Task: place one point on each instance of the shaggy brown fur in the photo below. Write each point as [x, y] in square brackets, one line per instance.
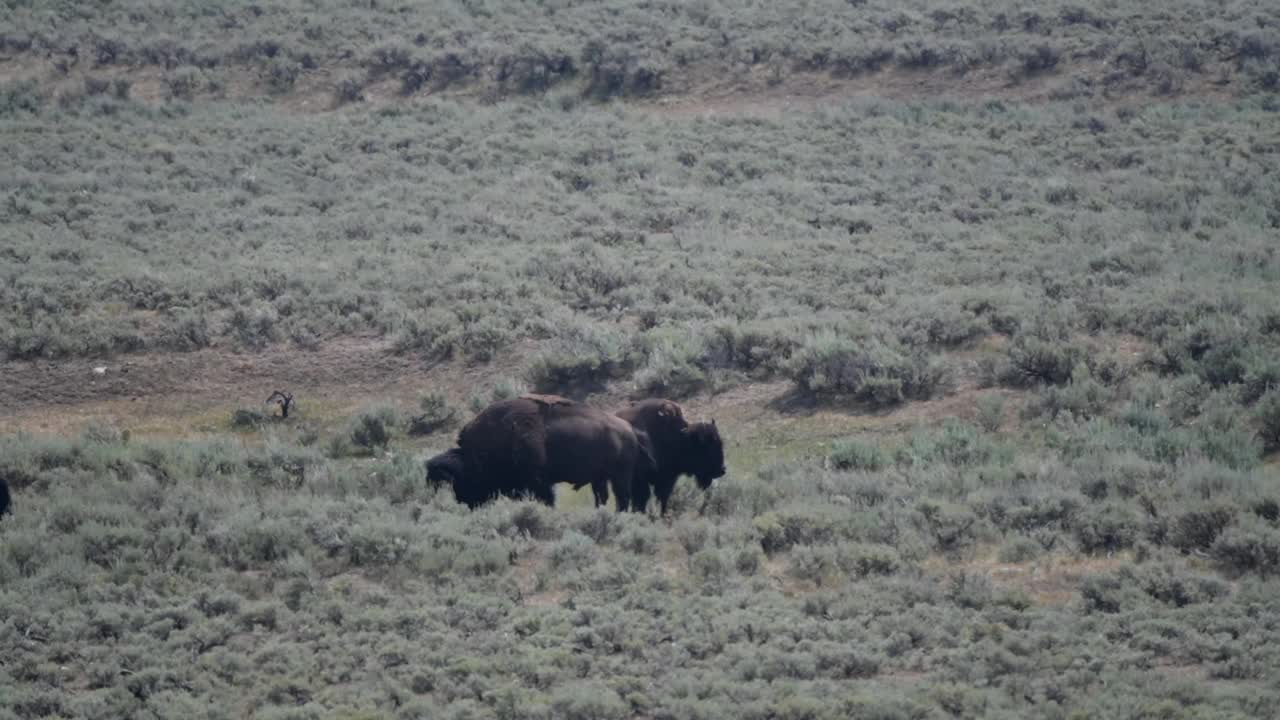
[449, 467]
[679, 448]
[529, 443]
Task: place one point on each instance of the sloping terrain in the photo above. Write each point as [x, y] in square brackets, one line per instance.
[982, 300]
[631, 48]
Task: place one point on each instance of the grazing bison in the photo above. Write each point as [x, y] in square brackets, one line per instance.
[4, 497]
[679, 448]
[449, 467]
[529, 443]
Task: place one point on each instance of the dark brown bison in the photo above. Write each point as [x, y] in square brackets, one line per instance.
[4, 497]
[679, 448]
[449, 467]
[527, 444]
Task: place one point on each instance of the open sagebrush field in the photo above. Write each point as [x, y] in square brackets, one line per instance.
[677, 249]
[952, 573]
[634, 48]
[984, 300]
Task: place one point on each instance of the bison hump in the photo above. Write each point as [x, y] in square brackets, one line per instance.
[547, 400]
[671, 410]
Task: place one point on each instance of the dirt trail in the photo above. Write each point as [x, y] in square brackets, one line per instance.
[221, 373]
[176, 394]
[168, 394]
[757, 91]
[172, 393]
[757, 94]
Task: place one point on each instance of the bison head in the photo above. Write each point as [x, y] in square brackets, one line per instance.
[447, 467]
[704, 452]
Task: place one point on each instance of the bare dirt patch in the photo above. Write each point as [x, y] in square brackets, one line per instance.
[174, 394]
[179, 394]
[766, 422]
[526, 572]
[763, 94]
[673, 561]
[697, 91]
[1053, 580]
[778, 570]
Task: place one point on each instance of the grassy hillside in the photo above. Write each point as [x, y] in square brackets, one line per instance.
[673, 248]
[626, 47]
[990, 326]
[956, 573]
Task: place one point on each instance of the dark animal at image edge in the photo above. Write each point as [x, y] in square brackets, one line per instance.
[679, 448]
[525, 445]
[4, 497]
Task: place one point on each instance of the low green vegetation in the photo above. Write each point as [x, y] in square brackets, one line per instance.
[846, 249]
[223, 577]
[632, 47]
[1048, 309]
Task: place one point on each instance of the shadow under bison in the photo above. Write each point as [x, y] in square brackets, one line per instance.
[523, 446]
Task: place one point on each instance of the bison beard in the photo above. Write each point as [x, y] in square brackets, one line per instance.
[527, 444]
[679, 448]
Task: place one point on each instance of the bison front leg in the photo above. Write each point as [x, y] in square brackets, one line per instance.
[640, 493]
[533, 486]
[663, 487]
[545, 494]
[600, 489]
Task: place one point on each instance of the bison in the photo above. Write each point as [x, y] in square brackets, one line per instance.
[449, 467]
[527, 444]
[4, 497]
[679, 448]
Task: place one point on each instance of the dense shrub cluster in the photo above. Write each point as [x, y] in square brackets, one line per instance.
[582, 356]
[437, 415]
[869, 370]
[632, 47]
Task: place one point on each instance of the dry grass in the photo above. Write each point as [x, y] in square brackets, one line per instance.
[696, 90]
[1052, 580]
[419, 583]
